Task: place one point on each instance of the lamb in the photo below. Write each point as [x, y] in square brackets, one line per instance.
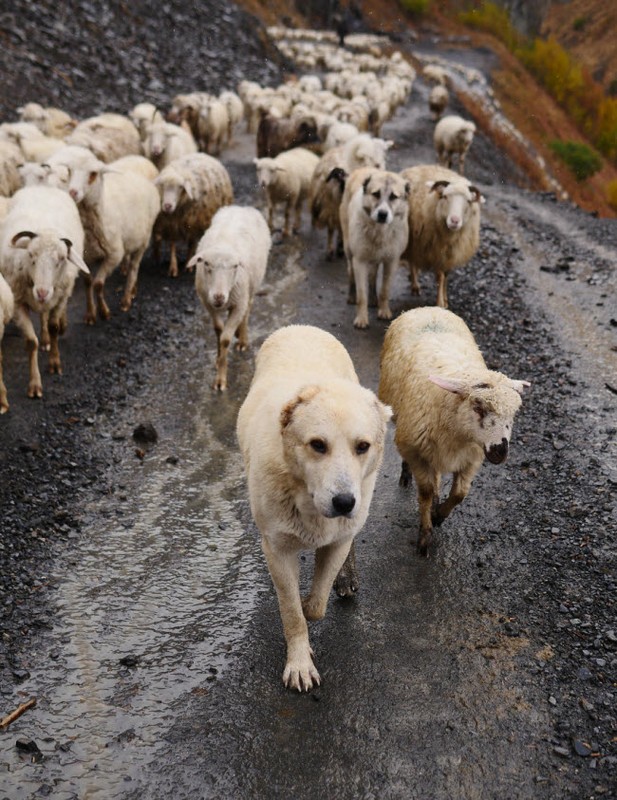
[230, 262]
[328, 181]
[287, 179]
[444, 224]
[212, 126]
[453, 135]
[374, 222]
[41, 249]
[438, 100]
[165, 142]
[192, 189]
[108, 136]
[51, 121]
[118, 209]
[450, 410]
[7, 306]
[274, 135]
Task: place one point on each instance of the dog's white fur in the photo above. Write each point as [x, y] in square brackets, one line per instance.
[374, 222]
[312, 440]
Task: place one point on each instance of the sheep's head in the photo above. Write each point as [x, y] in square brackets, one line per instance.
[47, 256]
[456, 201]
[217, 270]
[267, 171]
[489, 403]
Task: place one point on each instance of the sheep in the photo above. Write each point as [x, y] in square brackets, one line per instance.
[7, 306]
[450, 410]
[40, 149]
[435, 74]
[108, 136]
[274, 135]
[11, 158]
[339, 133]
[453, 135]
[235, 111]
[41, 253]
[328, 181]
[185, 109]
[142, 115]
[230, 262]
[51, 121]
[165, 142]
[139, 164]
[287, 179]
[444, 224]
[212, 126]
[438, 99]
[118, 209]
[191, 189]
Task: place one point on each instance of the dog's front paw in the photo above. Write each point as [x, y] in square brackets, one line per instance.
[300, 673]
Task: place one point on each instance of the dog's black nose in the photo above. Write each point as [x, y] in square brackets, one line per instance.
[343, 503]
[382, 216]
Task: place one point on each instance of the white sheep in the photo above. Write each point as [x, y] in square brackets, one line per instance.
[213, 126]
[287, 179]
[435, 74]
[235, 111]
[51, 121]
[7, 306]
[41, 250]
[328, 181]
[143, 115]
[444, 224]
[450, 410]
[438, 99]
[339, 133]
[230, 262]
[453, 136]
[140, 164]
[109, 136]
[192, 189]
[164, 142]
[11, 159]
[118, 209]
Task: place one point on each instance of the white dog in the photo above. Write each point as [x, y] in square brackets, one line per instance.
[312, 440]
[374, 221]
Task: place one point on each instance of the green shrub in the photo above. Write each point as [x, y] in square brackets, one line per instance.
[579, 23]
[493, 19]
[611, 194]
[580, 159]
[415, 7]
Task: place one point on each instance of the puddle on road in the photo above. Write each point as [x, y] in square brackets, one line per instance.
[143, 612]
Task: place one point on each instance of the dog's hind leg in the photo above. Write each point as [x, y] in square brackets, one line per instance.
[328, 562]
[347, 582]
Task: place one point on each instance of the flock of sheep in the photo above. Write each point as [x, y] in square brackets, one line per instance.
[91, 196]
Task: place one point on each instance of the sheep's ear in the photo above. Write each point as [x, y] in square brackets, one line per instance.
[189, 190]
[407, 189]
[109, 170]
[256, 161]
[518, 386]
[437, 186]
[190, 266]
[75, 258]
[477, 196]
[388, 143]
[23, 239]
[454, 385]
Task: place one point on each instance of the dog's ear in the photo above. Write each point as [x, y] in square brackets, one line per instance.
[365, 184]
[304, 395]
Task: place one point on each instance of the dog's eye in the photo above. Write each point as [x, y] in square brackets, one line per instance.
[393, 197]
[377, 195]
[318, 445]
[362, 447]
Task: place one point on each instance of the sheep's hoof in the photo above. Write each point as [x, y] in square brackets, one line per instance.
[55, 368]
[4, 407]
[90, 319]
[219, 385]
[422, 548]
[35, 390]
[241, 346]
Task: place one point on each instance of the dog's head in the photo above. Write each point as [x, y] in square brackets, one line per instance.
[385, 197]
[333, 440]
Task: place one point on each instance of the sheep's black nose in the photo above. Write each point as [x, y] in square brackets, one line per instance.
[497, 453]
[343, 503]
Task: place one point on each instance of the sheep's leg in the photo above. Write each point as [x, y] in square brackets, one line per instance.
[224, 340]
[44, 333]
[4, 403]
[413, 274]
[442, 295]
[130, 287]
[90, 317]
[298, 216]
[361, 277]
[173, 260]
[347, 583]
[330, 254]
[55, 328]
[406, 477]
[242, 332]
[300, 672]
[461, 484]
[287, 218]
[24, 323]
[270, 214]
[328, 562]
[461, 162]
[383, 310]
[428, 490]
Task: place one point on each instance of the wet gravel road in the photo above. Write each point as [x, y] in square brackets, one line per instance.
[137, 608]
